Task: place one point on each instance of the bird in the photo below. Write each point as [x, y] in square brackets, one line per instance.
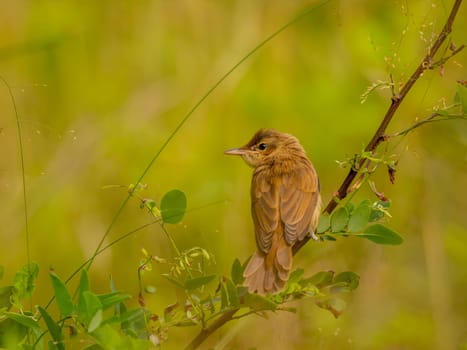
[285, 205]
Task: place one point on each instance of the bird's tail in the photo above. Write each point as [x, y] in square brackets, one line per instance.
[268, 273]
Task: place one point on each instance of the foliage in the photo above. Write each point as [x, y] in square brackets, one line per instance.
[102, 321]
[89, 318]
[210, 299]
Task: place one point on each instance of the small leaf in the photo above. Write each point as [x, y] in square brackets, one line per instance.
[84, 284]
[63, 297]
[96, 321]
[378, 210]
[173, 206]
[88, 306]
[110, 338]
[320, 279]
[12, 334]
[335, 305]
[196, 282]
[296, 275]
[24, 283]
[350, 278]
[224, 296]
[350, 207]
[232, 294]
[54, 329]
[237, 272]
[111, 299]
[324, 223]
[359, 218]
[24, 320]
[259, 303]
[5, 296]
[461, 98]
[134, 322]
[327, 238]
[339, 220]
[173, 280]
[381, 234]
[340, 288]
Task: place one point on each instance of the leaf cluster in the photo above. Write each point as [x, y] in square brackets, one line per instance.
[359, 221]
[90, 317]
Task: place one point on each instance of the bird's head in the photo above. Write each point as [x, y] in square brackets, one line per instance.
[267, 146]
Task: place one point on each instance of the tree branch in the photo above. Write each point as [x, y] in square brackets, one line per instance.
[396, 101]
[377, 138]
[206, 332]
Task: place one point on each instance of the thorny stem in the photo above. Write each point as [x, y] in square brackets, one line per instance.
[377, 138]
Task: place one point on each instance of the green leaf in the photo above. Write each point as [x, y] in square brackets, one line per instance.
[232, 293]
[96, 321]
[54, 329]
[12, 334]
[335, 305]
[350, 207]
[461, 98]
[327, 238]
[224, 297]
[381, 234]
[84, 284]
[134, 322]
[6, 293]
[173, 280]
[237, 272]
[88, 305]
[110, 299]
[62, 296]
[173, 206]
[324, 223]
[351, 279]
[110, 338]
[378, 210]
[24, 320]
[259, 303]
[295, 276]
[359, 218]
[15, 327]
[196, 282]
[320, 279]
[24, 283]
[339, 220]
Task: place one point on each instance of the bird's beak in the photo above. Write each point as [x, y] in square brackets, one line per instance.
[236, 152]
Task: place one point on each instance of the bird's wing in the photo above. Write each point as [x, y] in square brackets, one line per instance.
[264, 209]
[299, 203]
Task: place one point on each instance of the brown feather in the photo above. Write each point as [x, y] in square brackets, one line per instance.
[285, 205]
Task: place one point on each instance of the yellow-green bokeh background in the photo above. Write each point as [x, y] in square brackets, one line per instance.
[100, 85]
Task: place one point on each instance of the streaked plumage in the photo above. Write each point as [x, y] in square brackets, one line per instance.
[285, 205]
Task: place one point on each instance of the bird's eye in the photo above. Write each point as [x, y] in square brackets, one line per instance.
[262, 146]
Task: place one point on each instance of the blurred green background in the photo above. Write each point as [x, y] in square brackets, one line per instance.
[100, 85]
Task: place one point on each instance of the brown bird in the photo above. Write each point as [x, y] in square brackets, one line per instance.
[285, 205]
